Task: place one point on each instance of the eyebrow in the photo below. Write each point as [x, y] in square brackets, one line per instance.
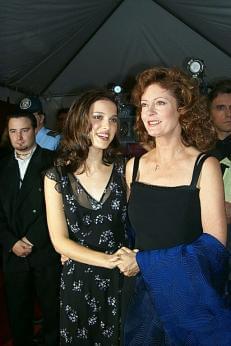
[102, 113]
[159, 97]
[24, 128]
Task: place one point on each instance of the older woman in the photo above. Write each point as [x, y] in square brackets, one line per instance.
[176, 208]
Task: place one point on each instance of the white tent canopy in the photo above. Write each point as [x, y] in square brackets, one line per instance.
[57, 48]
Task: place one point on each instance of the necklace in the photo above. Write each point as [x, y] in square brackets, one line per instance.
[158, 165]
[22, 155]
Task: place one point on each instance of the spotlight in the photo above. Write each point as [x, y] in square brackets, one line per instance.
[115, 88]
[195, 67]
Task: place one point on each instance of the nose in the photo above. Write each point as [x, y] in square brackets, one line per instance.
[152, 108]
[106, 123]
[19, 135]
[228, 112]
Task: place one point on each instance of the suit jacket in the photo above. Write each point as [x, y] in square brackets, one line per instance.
[22, 212]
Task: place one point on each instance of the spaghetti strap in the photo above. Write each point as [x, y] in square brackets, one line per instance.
[197, 168]
[135, 168]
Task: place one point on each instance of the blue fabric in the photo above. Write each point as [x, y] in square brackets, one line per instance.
[178, 296]
[47, 141]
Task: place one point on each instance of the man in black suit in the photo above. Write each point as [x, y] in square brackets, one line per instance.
[30, 264]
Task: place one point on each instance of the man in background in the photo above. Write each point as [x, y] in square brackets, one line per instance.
[61, 118]
[30, 264]
[45, 137]
[220, 110]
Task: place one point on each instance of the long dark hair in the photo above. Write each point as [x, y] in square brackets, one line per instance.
[74, 147]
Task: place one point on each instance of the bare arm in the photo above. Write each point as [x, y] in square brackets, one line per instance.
[212, 200]
[128, 175]
[59, 233]
[127, 258]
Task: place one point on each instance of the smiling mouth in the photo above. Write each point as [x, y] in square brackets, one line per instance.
[154, 122]
[103, 136]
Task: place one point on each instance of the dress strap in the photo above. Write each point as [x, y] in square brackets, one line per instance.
[197, 168]
[135, 168]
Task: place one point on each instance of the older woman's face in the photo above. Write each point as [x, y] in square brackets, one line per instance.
[159, 111]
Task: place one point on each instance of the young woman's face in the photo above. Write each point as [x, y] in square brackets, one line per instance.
[104, 123]
[159, 111]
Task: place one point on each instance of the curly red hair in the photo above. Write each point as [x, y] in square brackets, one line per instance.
[197, 127]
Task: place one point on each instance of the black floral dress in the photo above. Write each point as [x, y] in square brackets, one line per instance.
[90, 296]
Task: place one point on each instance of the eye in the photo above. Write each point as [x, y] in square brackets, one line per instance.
[143, 105]
[220, 107]
[114, 120]
[160, 103]
[97, 117]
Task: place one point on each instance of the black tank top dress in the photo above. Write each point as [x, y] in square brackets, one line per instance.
[163, 216]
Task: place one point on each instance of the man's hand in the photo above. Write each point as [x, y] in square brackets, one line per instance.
[26, 241]
[21, 249]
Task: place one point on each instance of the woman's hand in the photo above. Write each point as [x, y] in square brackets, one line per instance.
[64, 259]
[126, 262]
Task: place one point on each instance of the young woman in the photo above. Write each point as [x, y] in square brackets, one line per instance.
[176, 207]
[86, 208]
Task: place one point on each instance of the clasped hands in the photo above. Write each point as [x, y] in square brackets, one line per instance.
[22, 248]
[125, 260]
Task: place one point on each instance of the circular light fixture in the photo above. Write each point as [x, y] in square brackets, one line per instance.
[117, 89]
[195, 66]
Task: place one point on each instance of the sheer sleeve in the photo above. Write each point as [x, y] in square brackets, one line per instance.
[53, 174]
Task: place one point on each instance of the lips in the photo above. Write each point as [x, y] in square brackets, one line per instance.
[154, 122]
[104, 136]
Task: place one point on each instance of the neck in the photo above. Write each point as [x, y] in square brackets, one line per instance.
[24, 153]
[223, 135]
[167, 151]
[94, 160]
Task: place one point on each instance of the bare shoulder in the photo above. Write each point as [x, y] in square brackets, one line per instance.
[210, 172]
[129, 170]
[130, 164]
[211, 166]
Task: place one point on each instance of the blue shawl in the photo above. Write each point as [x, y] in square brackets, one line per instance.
[178, 296]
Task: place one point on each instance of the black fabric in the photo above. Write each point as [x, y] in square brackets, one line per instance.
[21, 289]
[222, 149]
[90, 295]
[22, 212]
[160, 214]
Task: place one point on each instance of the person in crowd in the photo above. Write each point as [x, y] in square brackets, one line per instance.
[60, 119]
[30, 264]
[176, 209]
[45, 137]
[219, 98]
[88, 181]
[220, 109]
[5, 146]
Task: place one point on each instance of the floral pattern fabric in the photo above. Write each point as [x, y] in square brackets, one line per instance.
[90, 296]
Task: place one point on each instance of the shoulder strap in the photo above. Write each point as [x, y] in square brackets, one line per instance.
[197, 168]
[135, 168]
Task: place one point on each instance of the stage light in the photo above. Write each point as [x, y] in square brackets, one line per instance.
[117, 89]
[195, 67]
